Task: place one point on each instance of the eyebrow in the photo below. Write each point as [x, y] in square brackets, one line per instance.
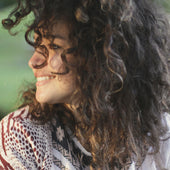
[57, 36]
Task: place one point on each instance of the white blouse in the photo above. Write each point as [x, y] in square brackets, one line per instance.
[28, 145]
[160, 161]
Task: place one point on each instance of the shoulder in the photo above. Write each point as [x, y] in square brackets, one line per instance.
[19, 123]
[161, 160]
[164, 152]
[12, 124]
[166, 121]
[22, 141]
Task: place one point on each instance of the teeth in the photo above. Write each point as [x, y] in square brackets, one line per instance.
[44, 78]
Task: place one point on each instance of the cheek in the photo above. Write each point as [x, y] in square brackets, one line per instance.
[56, 62]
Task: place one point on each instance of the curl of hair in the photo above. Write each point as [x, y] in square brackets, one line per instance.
[122, 74]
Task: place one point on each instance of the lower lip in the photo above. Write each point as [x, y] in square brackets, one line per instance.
[43, 82]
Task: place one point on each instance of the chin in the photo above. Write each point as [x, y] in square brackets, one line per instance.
[42, 99]
[52, 98]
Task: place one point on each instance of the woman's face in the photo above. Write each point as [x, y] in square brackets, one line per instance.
[50, 88]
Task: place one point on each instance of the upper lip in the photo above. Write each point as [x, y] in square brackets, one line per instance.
[43, 75]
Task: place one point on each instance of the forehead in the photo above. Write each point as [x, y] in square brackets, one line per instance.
[60, 30]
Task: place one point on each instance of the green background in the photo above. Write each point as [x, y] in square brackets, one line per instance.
[14, 70]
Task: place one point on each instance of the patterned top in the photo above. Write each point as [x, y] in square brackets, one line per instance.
[28, 145]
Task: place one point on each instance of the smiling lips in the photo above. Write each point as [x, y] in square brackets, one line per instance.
[43, 80]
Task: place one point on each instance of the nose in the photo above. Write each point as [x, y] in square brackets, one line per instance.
[36, 60]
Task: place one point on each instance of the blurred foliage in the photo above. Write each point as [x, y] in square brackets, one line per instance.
[5, 3]
[14, 70]
[165, 4]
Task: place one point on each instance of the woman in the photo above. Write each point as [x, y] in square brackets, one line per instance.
[102, 87]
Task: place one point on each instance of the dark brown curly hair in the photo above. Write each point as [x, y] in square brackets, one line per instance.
[121, 58]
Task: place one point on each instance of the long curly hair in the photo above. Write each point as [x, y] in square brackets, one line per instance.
[121, 58]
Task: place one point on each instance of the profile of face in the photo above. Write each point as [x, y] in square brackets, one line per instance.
[53, 88]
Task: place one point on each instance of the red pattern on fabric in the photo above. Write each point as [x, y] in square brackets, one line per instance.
[5, 164]
[10, 116]
[24, 139]
[26, 144]
[20, 115]
[3, 139]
